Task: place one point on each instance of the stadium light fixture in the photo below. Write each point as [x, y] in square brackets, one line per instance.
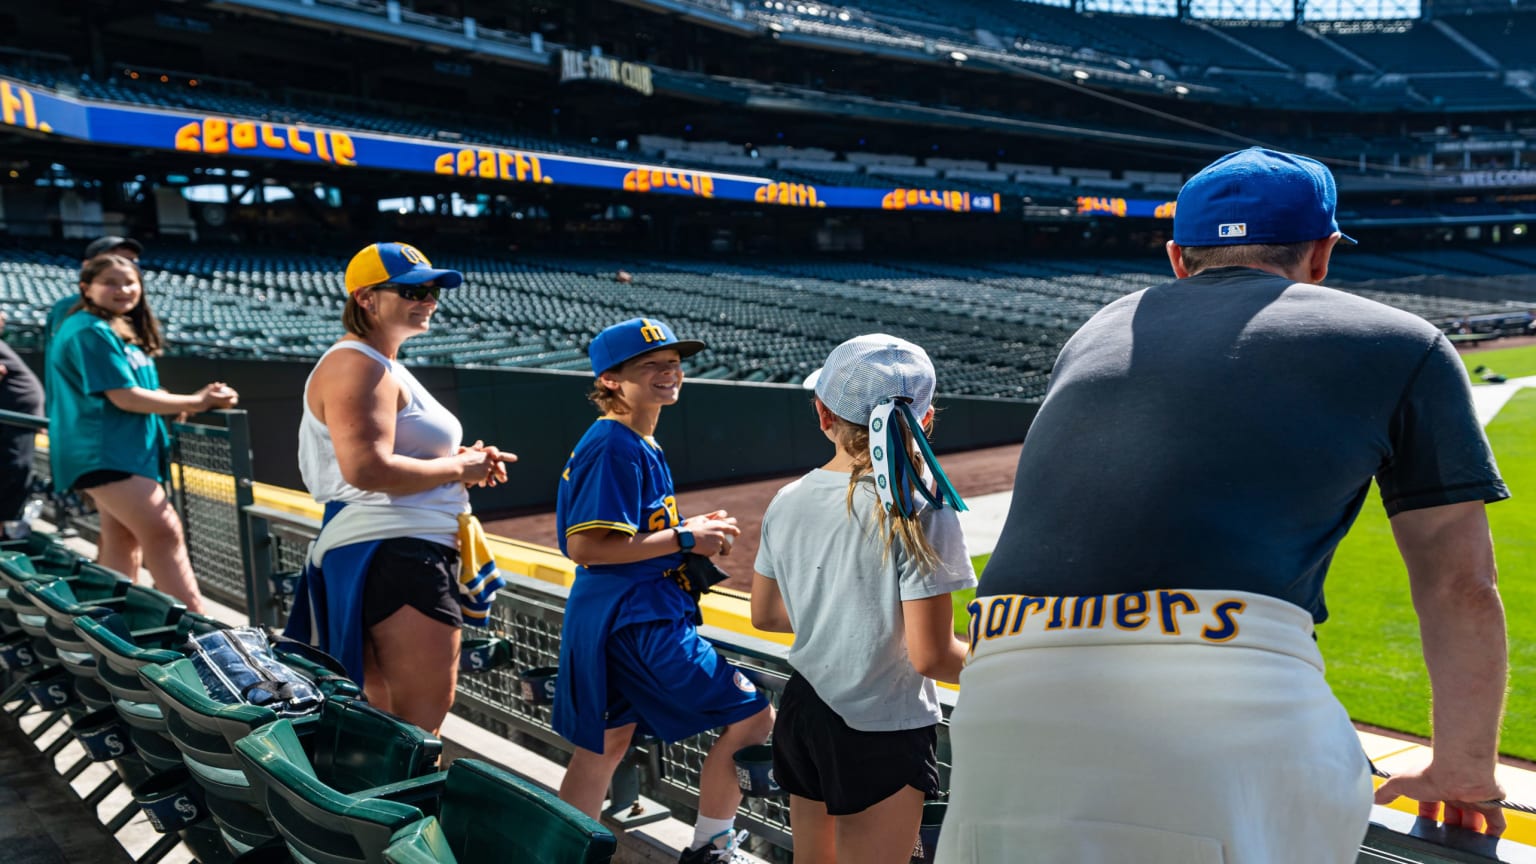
[844, 16]
[959, 56]
[1181, 89]
[1081, 74]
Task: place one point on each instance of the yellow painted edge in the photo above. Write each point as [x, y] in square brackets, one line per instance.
[286, 500]
[732, 610]
[1522, 826]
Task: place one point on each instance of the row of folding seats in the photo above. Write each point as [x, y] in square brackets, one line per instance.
[992, 327]
[233, 781]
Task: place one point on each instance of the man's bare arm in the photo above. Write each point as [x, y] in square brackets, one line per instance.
[1449, 554]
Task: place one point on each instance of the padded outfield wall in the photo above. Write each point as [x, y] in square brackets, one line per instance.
[720, 432]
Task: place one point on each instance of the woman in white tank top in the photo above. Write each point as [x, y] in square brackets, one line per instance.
[374, 443]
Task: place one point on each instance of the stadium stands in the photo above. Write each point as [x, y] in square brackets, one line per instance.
[1295, 47]
[993, 327]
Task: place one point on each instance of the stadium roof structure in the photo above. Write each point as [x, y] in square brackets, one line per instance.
[1316, 55]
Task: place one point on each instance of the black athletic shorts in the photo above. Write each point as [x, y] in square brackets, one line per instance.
[408, 571]
[818, 756]
[92, 479]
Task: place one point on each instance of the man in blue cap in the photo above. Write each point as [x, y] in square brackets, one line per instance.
[630, 652]
[1144, 682]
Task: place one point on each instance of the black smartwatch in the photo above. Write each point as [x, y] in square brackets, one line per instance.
[684, 539]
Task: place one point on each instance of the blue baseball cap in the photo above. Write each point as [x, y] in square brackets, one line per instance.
[1257, 196]
[398, 264]
[629, 339]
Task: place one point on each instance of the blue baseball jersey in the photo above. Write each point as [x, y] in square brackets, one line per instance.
[615, 480]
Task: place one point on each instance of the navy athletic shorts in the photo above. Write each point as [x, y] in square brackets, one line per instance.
[669, 679]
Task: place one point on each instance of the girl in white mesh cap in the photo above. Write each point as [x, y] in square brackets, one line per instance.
[858, 559]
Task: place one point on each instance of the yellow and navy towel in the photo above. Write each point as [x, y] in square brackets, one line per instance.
[479, 579]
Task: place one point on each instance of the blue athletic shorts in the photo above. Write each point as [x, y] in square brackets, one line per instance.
[667, 678]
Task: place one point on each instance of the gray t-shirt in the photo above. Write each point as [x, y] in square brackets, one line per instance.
[1222, 431]
[844, 601]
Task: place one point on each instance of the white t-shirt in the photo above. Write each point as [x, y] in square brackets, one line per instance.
[844, 601]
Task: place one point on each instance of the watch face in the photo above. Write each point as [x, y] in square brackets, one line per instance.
[685, 540]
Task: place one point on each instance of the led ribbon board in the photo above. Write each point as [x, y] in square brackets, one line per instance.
[27, 107]
[1140, 208]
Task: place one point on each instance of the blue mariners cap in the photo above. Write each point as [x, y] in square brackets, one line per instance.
[629, 339]
[1257, 196]
[398, 264]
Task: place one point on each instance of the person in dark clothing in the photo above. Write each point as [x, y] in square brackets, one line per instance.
[1144, 683]
[22, 392]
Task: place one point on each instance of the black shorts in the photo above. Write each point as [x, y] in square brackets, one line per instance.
[408, 571]
[818, 756]
[92, 479]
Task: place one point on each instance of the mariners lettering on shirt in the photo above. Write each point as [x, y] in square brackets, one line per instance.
[649, 179]
[791, 194]
[1169, 612]
[17, 108]
[217, 135]
[492, 164]
[937, 199]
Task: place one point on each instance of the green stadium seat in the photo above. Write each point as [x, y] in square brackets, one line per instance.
[120, 653]
[487, 814]
[61, 601]
[348, 744]
[320, 823]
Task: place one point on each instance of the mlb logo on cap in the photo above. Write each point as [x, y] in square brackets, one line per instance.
[1257, 196]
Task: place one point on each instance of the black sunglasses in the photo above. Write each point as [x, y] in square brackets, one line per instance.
[413, 293]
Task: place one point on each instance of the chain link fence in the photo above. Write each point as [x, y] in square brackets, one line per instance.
[211, 481]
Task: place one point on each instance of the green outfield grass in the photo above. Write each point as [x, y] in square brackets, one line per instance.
[1509, 362]
[960, 598]
[1371, 640]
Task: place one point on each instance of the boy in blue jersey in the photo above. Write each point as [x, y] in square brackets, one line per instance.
[630, 654]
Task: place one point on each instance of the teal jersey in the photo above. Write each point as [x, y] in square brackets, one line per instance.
[86, 432]
[58, 314]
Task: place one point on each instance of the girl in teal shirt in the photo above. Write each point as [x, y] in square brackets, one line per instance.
[106, 435]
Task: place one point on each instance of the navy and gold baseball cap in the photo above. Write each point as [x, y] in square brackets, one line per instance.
[629, 339]
[396, 263]
[1257, 196]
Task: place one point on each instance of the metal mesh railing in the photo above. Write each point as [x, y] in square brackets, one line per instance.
[211, 479]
